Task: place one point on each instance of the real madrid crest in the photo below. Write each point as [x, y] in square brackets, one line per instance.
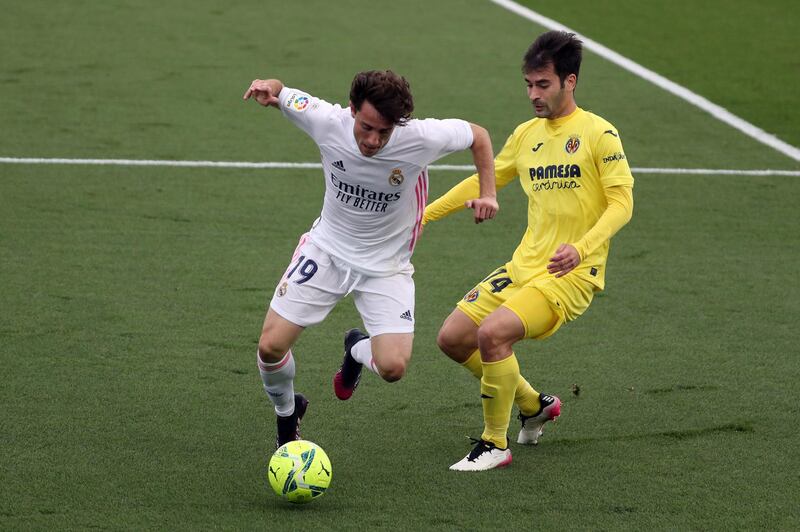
[282, 289]
[396, 178]
[573, 143]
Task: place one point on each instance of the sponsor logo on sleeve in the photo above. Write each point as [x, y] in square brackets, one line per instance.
[619, 156]
[610, 132]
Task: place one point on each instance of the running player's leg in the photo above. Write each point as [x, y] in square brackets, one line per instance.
[458, 336]
[275, 361]
[540, 318]
[496, 336]
[304, 296]
[386, 305]
[391, 353]
[566, 298]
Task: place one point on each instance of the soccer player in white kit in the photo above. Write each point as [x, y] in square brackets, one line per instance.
[374, 160]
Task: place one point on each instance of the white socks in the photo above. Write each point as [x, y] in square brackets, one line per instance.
[279, 383]
[362, 352]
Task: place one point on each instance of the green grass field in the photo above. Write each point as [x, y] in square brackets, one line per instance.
[132, 298]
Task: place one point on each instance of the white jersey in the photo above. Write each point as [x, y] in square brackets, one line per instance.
[372, 212]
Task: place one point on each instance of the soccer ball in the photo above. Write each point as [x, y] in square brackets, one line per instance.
[299, 471]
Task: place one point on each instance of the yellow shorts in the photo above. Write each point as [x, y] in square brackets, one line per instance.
[542, 305]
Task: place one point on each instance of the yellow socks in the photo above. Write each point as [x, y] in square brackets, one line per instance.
[498, 385]
[474, 364]
[525, 396]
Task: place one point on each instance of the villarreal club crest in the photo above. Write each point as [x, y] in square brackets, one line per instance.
[573, 143]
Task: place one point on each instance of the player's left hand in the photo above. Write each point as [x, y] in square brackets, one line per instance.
[564, 261]
[262, 92]
[485, 208]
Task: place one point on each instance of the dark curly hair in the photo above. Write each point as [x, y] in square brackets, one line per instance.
[388, 92]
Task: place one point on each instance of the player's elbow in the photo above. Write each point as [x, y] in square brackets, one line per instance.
[629, 207]
[621, 202]
[480, 137]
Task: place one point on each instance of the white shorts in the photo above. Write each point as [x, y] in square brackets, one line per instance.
[315, 281]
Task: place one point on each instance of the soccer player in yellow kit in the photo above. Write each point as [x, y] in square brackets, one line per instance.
[572, 167]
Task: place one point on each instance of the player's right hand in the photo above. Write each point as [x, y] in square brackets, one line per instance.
[261, 91]
[485, 208]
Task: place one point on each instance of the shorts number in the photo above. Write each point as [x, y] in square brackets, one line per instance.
[498, 283]
[306, 269]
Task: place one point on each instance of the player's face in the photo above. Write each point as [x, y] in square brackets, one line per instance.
[549, 98]
[371, 130]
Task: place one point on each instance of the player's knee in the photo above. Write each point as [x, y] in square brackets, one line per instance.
[392, 371]
[456, 344]
[448, 343]
[489, 338]
[270, 349]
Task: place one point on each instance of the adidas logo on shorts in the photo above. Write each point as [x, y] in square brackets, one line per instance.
[406, 316]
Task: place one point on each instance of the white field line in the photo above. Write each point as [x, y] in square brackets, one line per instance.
[720, 113]
[289, 165]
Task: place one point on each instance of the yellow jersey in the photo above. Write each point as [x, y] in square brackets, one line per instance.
[564, 166]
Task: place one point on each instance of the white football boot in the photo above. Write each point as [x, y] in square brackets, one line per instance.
[485, 455]
[532, 425]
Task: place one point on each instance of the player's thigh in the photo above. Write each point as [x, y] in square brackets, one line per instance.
[310, 287]
[278, 335]
[386, 304]
[539, 315]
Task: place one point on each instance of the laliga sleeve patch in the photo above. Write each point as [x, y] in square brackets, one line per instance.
[297, 102]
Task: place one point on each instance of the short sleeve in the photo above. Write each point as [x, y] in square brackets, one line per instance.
[307, 112]
[611, 161]
[505, 164]
[445, 136]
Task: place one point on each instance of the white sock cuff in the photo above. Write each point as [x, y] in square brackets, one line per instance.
[276, 366]
[362, 352]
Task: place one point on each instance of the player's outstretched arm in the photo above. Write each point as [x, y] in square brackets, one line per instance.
[264, 91]
[453, 200]
[485, 207]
